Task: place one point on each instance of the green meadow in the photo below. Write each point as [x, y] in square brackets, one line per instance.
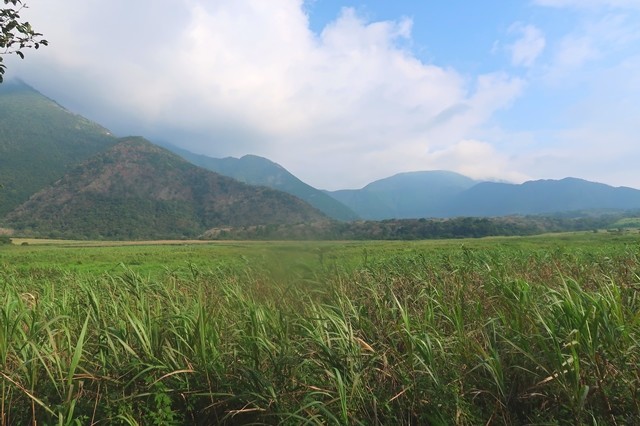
[527, 330]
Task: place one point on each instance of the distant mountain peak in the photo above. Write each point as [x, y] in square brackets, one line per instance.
[14, 84]
[406, 195]
[256, 170]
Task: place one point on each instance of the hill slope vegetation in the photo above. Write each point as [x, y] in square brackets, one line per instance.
[139, 190]
[39, 142]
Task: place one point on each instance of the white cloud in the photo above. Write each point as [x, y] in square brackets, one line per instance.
[599, 34]
[528, 47]
[477, 159]
[587, 80]
[231, 77]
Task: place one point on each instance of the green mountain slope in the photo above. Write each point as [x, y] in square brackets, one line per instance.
[406, 195]
[138, 190]
[542, 196]
[255, 170]
[39, 142]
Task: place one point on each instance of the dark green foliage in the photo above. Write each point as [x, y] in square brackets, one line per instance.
[418, 229]
[39, 142]
[4, 239]
[137, 190]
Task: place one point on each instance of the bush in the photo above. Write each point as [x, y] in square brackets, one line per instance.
[4, 240]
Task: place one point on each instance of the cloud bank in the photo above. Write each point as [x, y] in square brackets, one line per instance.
[351, 102]
[338, 108]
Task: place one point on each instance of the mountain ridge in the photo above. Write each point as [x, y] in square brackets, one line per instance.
[139, 190]
[256, 170]
[389, 199]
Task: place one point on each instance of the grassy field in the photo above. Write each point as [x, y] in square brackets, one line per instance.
[539, 330]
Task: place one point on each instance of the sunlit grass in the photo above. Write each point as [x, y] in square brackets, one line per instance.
[503, 331]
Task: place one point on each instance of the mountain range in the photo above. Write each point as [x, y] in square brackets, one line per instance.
[541, 197]
[441, 194]
[65, 175]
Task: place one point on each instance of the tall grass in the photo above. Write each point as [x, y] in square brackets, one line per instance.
[454, 336]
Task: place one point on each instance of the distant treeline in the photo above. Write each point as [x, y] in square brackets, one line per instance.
[392, 229]
[416, 229]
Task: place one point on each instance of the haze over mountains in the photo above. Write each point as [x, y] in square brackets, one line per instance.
[65, 175]
[447, 194]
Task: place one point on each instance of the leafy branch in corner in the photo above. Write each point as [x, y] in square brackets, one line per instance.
[16, 35]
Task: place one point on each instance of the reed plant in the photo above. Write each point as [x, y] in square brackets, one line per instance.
[457, 335]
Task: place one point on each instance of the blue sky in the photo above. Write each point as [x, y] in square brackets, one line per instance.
[455, 32]
[345, 92]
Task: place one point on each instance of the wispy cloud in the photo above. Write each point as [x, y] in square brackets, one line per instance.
[591, 69]
[530, 44]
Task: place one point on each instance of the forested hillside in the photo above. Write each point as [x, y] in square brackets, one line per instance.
[39, 142]
[139, 190]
